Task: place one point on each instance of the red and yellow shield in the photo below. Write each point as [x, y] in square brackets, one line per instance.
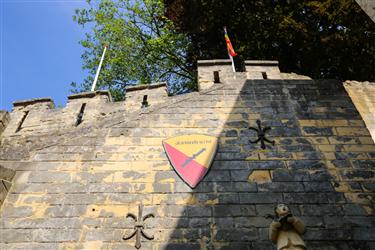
[191, 156]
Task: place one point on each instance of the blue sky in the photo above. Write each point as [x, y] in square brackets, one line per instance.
[39, 51]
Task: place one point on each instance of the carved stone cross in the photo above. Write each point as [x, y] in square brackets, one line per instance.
[138, 227]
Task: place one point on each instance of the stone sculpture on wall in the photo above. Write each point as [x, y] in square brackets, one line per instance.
[286, 230]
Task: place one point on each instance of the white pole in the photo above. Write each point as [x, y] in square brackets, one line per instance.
[231, 58]
[98, 71]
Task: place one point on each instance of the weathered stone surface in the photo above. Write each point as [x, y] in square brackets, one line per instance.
[368, 6]
[4, 120]
[37, 102]
[260, 176]
[74, 185]
[362, 93]
[6, 178]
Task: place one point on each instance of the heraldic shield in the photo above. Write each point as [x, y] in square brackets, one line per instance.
[191, 156]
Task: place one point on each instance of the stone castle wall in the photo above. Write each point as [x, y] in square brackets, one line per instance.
[74, 185]
[156, 93]
[4, 120]
[363, 97]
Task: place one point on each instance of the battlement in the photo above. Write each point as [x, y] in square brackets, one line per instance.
[104, 95]
[208, 70]
[156, 93]
[36, 103]
[39, 116]
[262, 69]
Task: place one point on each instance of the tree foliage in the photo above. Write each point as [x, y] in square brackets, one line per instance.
[156, 40]
[143, 46]
[322, 39]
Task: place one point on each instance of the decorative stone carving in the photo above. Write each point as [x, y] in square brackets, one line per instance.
[139, 227]
[261, 135]
[286, 230]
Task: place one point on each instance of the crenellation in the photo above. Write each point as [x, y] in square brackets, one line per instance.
[263, 69]
[156, 93]
[36, 103]
[102, 95]
[87, 107]
[206, 70]
[223, 69]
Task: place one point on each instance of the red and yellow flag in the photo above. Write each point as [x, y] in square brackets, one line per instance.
[229, 44]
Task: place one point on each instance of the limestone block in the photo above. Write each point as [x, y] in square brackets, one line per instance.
[90, 103]
[260, 176]
[266, 69]
[27, 115]
[363, 97]
[294, 76]
[4, 120]
[259, 66]
[206, 70]
[37, 103]
[6, 177]
[254, 75]
[156, 94]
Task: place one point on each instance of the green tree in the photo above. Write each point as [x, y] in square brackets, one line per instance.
[322, 39]
[143, 46]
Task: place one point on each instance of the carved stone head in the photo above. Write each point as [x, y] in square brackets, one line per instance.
[282, 210]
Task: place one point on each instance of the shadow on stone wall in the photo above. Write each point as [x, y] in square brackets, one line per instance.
[75, 189]
[311, 168]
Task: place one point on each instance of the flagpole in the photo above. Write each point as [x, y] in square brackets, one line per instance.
[230, 56]
[99, 68]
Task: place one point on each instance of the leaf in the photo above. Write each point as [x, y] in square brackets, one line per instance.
[143, 48]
